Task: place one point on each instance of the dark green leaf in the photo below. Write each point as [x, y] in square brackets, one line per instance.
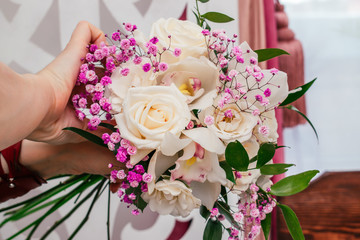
[292, 222]
[204, 212]
[197, 18]
[236, 156]
[108, 126]
[217, 17]
[266, 225]
[292, 97]
[203, 1]
[224, 209]
[274, 169]
[282, 147]
[140, 203]
[269, 53]
[213, 230]
[303, 115]
[89, 136]
[265, 154]
[254, 159]
[293, 184]
[228, 170]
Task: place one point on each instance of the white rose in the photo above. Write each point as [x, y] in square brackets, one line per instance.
[120, 85]
[171, 197]
[150, 112]
[239, 127]
[184, 35]
[195, 78]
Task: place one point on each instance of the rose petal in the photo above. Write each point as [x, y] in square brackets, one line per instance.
[206, 139]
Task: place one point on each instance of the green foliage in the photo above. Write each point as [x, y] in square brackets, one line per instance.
[217, 17]
[292, 222]
[89, 136]
[292, 97]
[204, 212]
[213, 230]
[265, 154]
[236, 156]
[266, 225]
[293, 184]
[269, 53]
[228, 170]
[274, 169]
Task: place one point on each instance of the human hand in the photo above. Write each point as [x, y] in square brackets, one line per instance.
[59, 77]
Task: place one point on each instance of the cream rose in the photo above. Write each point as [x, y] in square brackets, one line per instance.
[150, 112]
[237, 127]
[196, 78]
[171, 197]
[117, 90]
[184, 35]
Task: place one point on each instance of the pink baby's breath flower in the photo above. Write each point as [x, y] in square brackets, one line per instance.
[121, 174]
[99, 87]
[106, 138]
[125, 44]
[214, 212]
[80, 115]
[233, 73]
[137, 60]
[238, 217]
[129, 165]
[265, 102]
[209, 120]
[253, 60]
[249, 70]
[256, 112]
[258, 98]
[254, 212]
[240, 59]
[163, 66]
[115, 137]
[82, 102]
[105, 51]
[98, 54]
[128, 27]
[274, 71]
[124, 143]
[255, 229]
[146, 177]
[111, 146]
[105, 80]
[131, 150]
[95, 121]
[258, 76]
[146, 67]
[95, 108]
[190, 125]
[264, 130]
[90, 75]
[135, 212]
[228, 113]
[84, 67]
[120, 193]
[177, 52]
[205, 32]
[89, 88]
[110, 165]
[267, 92]
[125, 71]
[115, 36]
[134, 184]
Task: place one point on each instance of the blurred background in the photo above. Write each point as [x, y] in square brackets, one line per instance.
[33, 32]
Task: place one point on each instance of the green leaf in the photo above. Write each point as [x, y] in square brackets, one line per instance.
[203, 1]
[217, 17]
[224, 209]
[204, 212]
[224, 193]
[108, 126]
[274, 169]
[269, 53]
[89, 136]
[228, 170]
[292, 97]
[213, 230]
[292, 222]
[140, 203]
[293, 184]
[265, 154]
[236, 156]
[303, 115]
[266, 226]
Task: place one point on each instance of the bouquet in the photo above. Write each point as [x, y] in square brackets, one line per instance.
[191, 118]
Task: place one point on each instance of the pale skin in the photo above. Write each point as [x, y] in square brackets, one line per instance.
[36, 107]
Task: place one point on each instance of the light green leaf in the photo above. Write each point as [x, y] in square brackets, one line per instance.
[292, 97]
[290, 107]
[292, 222]
[89, 136]
[266, 226]
[236, 156]
[274, 169]
[265, 154]
[228, 170]
[269, 53]
[217, 17]
[293, 184]
[213, 230]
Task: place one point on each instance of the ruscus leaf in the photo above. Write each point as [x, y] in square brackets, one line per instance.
[274, 169]
[228, 170]
[292, 97]
[204, 212]
[213, 230]
[293, 184]
[236, 156]
[292, 222]
[89, 136]
[266, 225]
[269, 53]
[217, 17]
[265, 154]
